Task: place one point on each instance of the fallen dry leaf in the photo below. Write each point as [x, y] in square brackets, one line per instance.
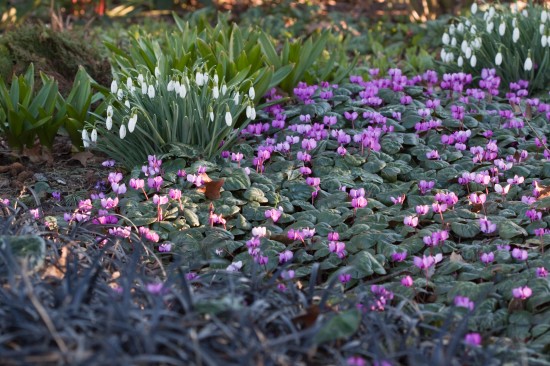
[211, 187]
[38, 154]
[83, 157]
[57, 270]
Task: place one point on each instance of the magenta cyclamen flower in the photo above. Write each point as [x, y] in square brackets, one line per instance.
[337, 247]
[407, 281]
[399, 200]
[274, 214]
[542, 272]
[285, 256]
[359, 202]
[165, 247]
[411, 221]
[522, 292]
[425, 186]
[333, 236]
[422, 209]
[487, 258]
[473, 339]
[427, 262]
[344, 278]
[399, 256]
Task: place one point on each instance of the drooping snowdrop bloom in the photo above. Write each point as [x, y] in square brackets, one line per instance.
[445, 39]
[93, 135]
[122, 131]
[132, 123]
[151, 91]
[85, 138]
[251, 93]
[473, 8]
[515, 35]
[228, 118]
[114, 87]
[460, 61]
[498, 59]
[528, 65]
[473, 61]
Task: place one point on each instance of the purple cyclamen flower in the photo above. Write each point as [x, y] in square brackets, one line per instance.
[427, 261]
[359, 202]
[165, 247]
[137, 183]
[411, 221]
[274, 214]
[487, 226]
[422, 209]
[337, 247]
[285, 256]
[333, 236]
[425, 186]
[399, 256]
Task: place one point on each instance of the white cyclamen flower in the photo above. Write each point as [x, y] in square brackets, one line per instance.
[473, 61]
[151, 91]
[474, 8]
[114, 87]
[515, 35]
[502, 28]
[85, 138]
[228, 118]
[445, 39]
[528, 65]
[251, 92]
[132, 123]
[498, 59]
[109, 122]
[460, 61]
[93, 135]
[122, 132]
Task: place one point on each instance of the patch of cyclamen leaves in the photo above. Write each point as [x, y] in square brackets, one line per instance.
[374, 233]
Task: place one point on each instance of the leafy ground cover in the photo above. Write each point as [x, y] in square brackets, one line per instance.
[392, 218]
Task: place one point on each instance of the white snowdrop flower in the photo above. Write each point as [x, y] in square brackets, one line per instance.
[122, 131]
[464, 46]
[215, 92]
[468, 53]
[473, 8]
[93, 135]
[216, 79]
[248, 111]
[236, 98]
[129, 83]
[120, 94]
[515, 22]
[543, 16]
[490, 27]
[528, 65]
[132, 123]
[477, 43]
[453, 42]
[515, 35]
[502, 28]
[445, 39]
[85, 138]
[224, 89]
[144, 88]
[252, 113]
[170, 86]
[151, 91]
[140, 78]
[543, 40]
[114, 87]
[450, 57]
[127, 103]
[473, 29]
[460, 28]
[157, 72]
[452, 29]
[498, 59]
[473, 61]
[491, 12]
[228, 118]
[183, 91]
[199, 78]
[205, 77]
[211, 115]
[460, 61]
[177, 86]
[525, 13]
[443, 55]
[110, 111]
[109, 123]
[251, 92]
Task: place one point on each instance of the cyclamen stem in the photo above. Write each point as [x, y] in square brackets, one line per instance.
[145, 193]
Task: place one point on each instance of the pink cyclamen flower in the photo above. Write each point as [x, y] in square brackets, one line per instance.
[359, 202]
[473, 339]
[422, 209]
[274, 214]
[542, 272]
[520, 254]
[285, 256]
[333, 236]
[522, 292]
[487, 226]
[344, 278]
[411, 221]
[425, 262]
[165, 247]
[464, 302]
[399, 256]
[356, 361]
[407, 281]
